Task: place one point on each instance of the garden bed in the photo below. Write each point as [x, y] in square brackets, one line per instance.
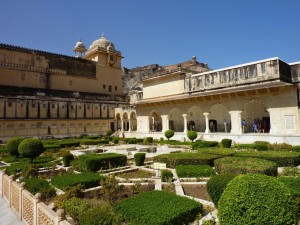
[196, 190]
[136, 174]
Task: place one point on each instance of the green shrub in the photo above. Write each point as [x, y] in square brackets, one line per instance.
[204, 144]
[36, 185]
[293, 184]
[30, 171]
[256, 199]
[166, 175]
[175, 159]
[148, 140]
[100, 215]
[169, 134]
[75, 207]
[133, 140]
[290, 172]
[296, 148]
[280, 147]
[72, 191]
[262, 142]
[52, 146]
[158, 207]
[216, 185]
[139, 159]
[109, 132]
[226, 143]
[175, 142]
[67, 158]
[31, 148]
[95, 162]
[261, 147]
[13, 145]
[69, 143]
[88, 179]
[194, 171]
[281, 158]
[242, 165]
[218, 151]
[244, 146]
[115, 140]
[192, 135]
[93, 142]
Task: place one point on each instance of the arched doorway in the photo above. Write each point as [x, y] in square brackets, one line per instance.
[155, 122]
[133, 121]
[219, 118]
[176, 121]
[195, 119]
[255, 113]
[119, 125]
[125, 122]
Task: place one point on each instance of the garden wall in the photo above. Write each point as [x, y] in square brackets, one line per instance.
[29, 208]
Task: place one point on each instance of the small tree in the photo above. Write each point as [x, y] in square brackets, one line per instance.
[31, 148]
[192, 135]
[169, 134]
[109, 188]
[13, 144]
[67, 158]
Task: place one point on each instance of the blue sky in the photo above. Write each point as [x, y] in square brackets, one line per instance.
[220, 33]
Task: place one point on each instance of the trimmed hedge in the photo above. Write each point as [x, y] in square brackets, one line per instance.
[67, 158]
[159, 208]
[13, 145]
[88, 179]
[36, 185]
[280, 147]
[166, 175]
[139, 159]
[217, 184]
[244, 146]
[256, 199]
[109, 132]
[133, 140]
[95, 162]
[226, 143]
[69, 143]
[204, 144]
[148, 140]
[175, 159]
[296, 148]
[218, 151]
[293, 184]
[195, 171]
[242, 165]
[281, 158]
[93, 142]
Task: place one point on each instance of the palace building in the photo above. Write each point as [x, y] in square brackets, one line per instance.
[45, 94]
[262, 94]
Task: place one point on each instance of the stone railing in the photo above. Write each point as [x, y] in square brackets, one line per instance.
[260, 71]
[28, 207]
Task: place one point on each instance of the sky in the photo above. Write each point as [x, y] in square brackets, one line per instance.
[219, 33]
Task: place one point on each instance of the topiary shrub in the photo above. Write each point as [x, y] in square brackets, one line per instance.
[169, 134]
[216, 185]
[31, 148]
[256, 199]
[192, 135]
[148, 140]
[195, 171]
[13, 144]
[226, 143]
[261, 147]
[139, 159]
[67, 158]
[166, 175]
[242, 165]
[109, 132]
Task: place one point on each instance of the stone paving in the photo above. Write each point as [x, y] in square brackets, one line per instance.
[7, 215]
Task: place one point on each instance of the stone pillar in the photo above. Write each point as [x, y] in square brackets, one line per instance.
[206, 114]
[236, 122]
[122, 125]
[184, 123]
[271, 131]
[165, 123]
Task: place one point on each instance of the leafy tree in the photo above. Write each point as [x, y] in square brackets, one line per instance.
[13, 144]
[192, 135]
[169, 134]
[31, 148]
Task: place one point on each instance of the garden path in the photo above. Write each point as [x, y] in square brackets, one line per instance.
[7, 215]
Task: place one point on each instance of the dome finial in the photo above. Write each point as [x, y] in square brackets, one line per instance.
[103, 35]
